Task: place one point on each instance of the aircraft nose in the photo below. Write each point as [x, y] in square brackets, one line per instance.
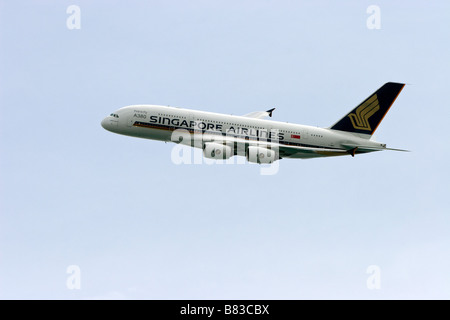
[105, 123]
[111, 123]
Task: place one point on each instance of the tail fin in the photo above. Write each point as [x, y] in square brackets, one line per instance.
[367, 116]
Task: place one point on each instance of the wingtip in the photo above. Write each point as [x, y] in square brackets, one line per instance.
[270, 111]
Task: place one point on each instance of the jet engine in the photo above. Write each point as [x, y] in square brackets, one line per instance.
[217, 151]
[261, 155]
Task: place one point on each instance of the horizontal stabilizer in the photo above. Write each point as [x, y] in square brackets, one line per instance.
[392, 149]
[372, 148]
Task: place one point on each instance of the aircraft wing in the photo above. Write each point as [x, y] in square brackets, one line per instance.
[259, 114]
[285, 151]
[307, 152]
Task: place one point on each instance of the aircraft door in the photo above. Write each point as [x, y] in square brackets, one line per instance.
[191, 118]
[304, 135]
[273, 134]
[130, 121]
[196, 139]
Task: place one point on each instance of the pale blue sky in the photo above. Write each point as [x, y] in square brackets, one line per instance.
[139, 226]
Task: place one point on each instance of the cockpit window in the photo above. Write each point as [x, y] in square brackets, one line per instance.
[114, 115]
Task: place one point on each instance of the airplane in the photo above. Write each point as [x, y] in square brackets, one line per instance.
[262, 141]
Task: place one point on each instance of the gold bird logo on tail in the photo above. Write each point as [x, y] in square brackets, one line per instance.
[360, 119]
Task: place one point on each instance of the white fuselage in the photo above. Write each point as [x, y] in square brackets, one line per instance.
[159, 123]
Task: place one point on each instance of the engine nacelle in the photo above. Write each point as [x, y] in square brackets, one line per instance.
[217, 151]
[261, 155]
